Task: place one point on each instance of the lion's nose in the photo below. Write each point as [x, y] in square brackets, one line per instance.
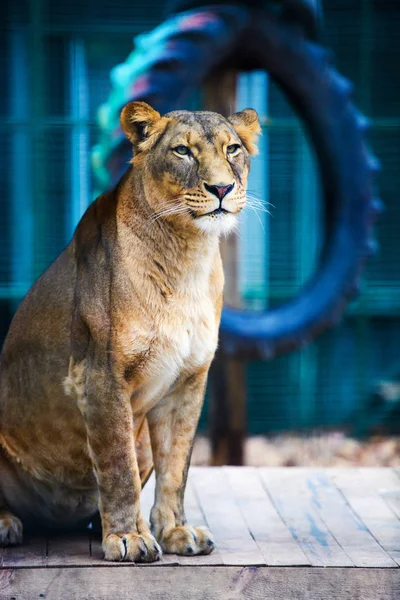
[220, 191]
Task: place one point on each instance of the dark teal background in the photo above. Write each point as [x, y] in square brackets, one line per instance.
[56, 58]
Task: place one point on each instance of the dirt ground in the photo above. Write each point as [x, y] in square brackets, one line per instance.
[323, 450]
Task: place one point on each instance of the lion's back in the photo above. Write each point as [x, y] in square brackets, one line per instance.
[43, 319]
[36, 350]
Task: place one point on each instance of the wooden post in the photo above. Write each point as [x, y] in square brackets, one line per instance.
[227, 415]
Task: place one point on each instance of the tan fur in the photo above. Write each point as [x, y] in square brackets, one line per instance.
[248, 128]
[111, 348]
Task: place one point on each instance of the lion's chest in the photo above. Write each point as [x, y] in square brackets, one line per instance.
[180, 341]
[188, 341]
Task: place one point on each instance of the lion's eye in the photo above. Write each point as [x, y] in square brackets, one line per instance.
[182, 150]
[232, 148]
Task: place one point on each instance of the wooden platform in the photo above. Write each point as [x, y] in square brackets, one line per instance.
[276, 532]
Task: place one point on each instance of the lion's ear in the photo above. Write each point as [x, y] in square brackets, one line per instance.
[247, 126]
[142, 125]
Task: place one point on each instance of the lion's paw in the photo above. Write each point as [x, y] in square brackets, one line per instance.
[10, 530]
[131, 547]
[188, 541]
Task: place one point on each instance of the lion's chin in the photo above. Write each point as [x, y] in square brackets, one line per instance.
[220, 224]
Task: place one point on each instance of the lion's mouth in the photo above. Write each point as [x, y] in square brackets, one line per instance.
[217, 211]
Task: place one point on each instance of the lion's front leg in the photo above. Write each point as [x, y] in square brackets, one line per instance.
[110, 431]
[172, 428]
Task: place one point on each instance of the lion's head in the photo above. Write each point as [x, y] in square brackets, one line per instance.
[197, 163]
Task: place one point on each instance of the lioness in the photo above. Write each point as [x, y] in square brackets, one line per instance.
[110, 349]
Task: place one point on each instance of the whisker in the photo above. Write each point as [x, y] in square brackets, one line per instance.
[258, 217]
[259, 209]
[255, 196]
[257, 205]
[168, 211]
[259, 202]
[158, 217]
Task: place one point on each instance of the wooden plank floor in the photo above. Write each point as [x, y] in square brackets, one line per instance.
[266, 522]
